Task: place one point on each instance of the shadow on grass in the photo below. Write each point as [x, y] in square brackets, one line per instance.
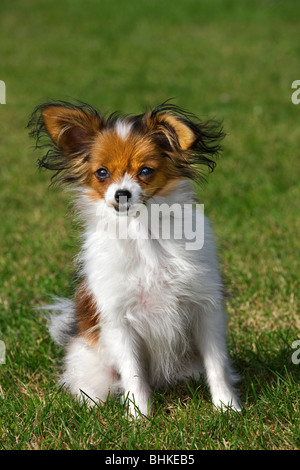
[266, 363]
[265, 368]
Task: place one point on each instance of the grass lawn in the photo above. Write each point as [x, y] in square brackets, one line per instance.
[227, 59]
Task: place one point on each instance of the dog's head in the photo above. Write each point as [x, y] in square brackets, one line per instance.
[123, 159]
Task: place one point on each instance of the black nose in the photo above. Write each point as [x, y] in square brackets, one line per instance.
[122, 193]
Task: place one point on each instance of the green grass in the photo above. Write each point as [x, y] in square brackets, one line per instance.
[230, 59]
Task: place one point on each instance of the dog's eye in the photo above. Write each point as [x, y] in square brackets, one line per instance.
[102, 173]
[146, 171]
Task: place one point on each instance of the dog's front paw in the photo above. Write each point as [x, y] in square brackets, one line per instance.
[137, 407]
[232, 404]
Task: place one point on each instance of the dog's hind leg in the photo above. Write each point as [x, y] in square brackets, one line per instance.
[87, 372]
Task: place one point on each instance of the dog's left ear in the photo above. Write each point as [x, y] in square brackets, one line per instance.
[173, 125]
[185, 135]
[193, 142]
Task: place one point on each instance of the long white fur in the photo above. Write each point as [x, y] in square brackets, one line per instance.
[123, 128]
[160, 310]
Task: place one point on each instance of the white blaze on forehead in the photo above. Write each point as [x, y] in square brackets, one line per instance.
[123, 128]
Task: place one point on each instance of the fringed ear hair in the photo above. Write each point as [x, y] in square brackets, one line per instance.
[67, 130]
[193, 142]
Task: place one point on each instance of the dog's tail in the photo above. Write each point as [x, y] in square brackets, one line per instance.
[62, 325]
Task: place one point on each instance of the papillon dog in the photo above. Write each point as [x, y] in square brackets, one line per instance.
[148, 310]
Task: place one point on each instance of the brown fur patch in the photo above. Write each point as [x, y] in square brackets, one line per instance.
[69, 128]
[119, 156]
[184, 134]
[86, 313]
[167, 189]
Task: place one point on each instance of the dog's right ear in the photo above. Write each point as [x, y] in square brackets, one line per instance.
[70, 129]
